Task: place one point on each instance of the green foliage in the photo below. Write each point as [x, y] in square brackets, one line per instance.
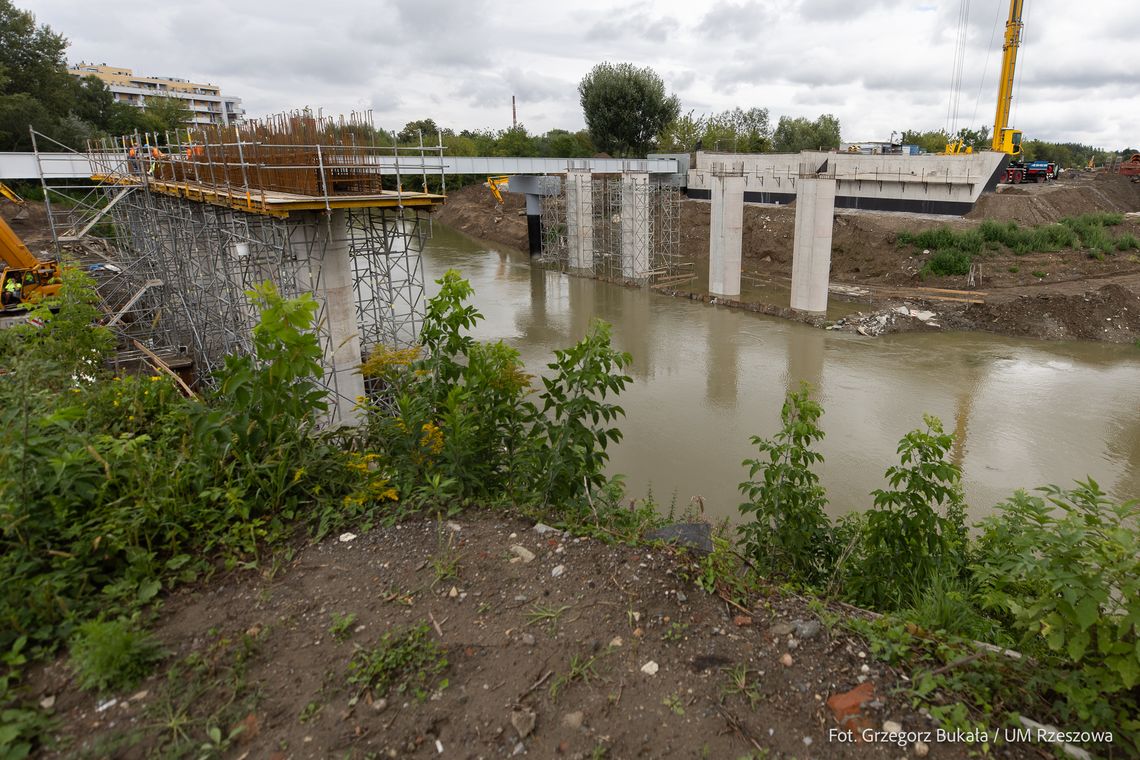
[917, 527]
[795, 134]
[953, 252]
[112, 655]
[111, 487]
[573, 430]
[734, 130]
[625, 107]
[946, 263]
[1064, 568]
[341, 626]
[790, 534]
[407, 660]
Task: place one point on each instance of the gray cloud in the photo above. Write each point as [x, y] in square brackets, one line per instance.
[876, 63]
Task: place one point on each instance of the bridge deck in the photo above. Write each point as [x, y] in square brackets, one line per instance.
[275, 203]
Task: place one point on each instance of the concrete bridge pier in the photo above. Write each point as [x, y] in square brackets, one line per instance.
[726, 230]
[811, 252]
[635, 230]
[329, 236]
[580, 220]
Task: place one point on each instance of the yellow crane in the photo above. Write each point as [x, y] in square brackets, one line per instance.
[1006, 140]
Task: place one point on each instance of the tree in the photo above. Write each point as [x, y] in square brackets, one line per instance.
[32, 60]
[625, 107]
[931, 141]
[682, 134]
[411, 132]
[739, 131]
[515, 142]
[560, 143]
[794, 135]
[166, 114]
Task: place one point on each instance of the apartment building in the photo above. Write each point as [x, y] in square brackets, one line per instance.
[205, 101]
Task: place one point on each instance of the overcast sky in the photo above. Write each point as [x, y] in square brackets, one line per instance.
[879, 65]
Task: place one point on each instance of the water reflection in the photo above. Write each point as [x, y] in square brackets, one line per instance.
[706, 379]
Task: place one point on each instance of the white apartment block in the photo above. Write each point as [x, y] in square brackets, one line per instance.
[205, 101]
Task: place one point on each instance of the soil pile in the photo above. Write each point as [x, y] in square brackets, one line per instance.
[555, 646]
[474, 211]
[1111, 314]
[1076, 193]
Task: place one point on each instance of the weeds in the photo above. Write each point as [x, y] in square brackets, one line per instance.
[546, 615]
[740, 681]
[582, 669]
[675, 632]
[112, 655]
[407, 660]
[341, 626]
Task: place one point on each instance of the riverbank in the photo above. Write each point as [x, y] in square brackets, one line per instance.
[549, 645]
[1056, 295]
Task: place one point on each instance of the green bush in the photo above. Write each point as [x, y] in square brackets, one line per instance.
[947, 263]
[789, 534]
[1064, 568]
[112, 655]
[916, 530]
[455, 413]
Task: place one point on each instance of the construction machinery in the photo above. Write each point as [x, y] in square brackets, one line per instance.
[25, 278]
[9, 195]
[495, 183]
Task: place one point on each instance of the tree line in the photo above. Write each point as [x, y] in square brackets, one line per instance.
[627, 110]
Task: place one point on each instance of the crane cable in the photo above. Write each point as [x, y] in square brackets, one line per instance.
[986, 68]
[1020, 65]
[959, 65]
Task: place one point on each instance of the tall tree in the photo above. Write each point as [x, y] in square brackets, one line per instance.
[32, 60]
[794, 135]
[625, 107]
[410, 134]
[166, 114]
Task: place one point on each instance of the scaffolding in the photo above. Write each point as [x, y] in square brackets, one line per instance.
[188, 223]
[635, 223]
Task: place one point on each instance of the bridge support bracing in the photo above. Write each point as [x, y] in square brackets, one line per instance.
[636, 232]
[580, 221]
[811, 252]
[726, 230]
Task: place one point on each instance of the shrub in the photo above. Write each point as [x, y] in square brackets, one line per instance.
[1064, 567]
[789, 533]
[948, 263]
[916, 529]
[112, 655]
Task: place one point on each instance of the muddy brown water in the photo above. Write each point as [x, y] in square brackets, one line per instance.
[706, 378]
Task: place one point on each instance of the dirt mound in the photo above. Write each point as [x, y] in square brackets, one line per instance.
[474, 211]
[33, 228]
[1110, 314]
[1043, 204]
[555, 646]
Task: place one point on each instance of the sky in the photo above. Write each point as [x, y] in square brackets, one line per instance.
[878, 65]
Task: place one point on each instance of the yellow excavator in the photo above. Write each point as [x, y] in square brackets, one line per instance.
[25, 278]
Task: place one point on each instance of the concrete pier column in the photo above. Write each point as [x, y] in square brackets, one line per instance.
[726, 230]
[534, 223]
[342, 357]
[635, 231]
[811, 253]
[580, 220]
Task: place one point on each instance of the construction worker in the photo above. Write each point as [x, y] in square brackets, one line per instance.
[12, 288]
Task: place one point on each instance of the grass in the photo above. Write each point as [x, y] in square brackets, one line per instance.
[445, 563]
[341, 626]
[675, 632]
[582, 669]
[548, 615]
[407, 660]
[740, 680]
[952, 252]
[112, 655]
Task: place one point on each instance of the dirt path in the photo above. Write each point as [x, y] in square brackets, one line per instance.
[555, 647]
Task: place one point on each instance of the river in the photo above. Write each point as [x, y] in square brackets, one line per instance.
[706, 378]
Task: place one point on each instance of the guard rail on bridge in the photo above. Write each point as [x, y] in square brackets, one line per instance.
[79, 165]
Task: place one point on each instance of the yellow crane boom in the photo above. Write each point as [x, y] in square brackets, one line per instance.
[1008, 140]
